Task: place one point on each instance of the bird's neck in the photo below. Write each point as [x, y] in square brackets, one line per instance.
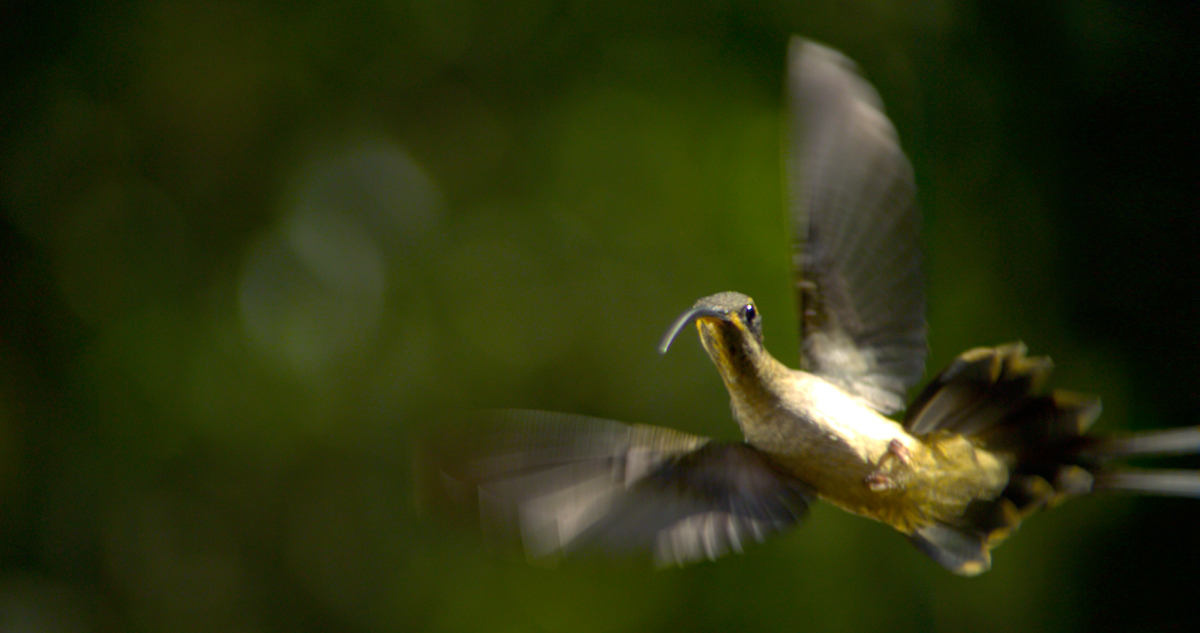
[756, 390]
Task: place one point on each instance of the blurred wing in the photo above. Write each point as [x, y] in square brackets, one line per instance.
[854, 223]
[560, 483]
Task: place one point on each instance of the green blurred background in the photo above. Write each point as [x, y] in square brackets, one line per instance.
[248, 251]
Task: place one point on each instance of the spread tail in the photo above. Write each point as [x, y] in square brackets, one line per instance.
[995, 396]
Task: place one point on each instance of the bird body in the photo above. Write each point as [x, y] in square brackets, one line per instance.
[853, 456]
[821, 434]
[980, 449]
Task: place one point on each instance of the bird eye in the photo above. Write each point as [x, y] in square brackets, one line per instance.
[749, 312]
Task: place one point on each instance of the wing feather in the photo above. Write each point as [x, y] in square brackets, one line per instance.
[559, 483]
[857, 264]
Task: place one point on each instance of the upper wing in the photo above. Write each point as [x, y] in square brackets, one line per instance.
[561, 483]
[854, 223]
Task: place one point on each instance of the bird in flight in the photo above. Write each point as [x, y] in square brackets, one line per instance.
[980, 449]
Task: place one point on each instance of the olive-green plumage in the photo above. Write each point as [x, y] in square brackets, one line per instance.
[947, 486]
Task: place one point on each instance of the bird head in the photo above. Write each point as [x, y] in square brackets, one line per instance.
[730, 330]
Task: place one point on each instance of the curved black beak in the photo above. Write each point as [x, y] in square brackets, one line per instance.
[684, 319]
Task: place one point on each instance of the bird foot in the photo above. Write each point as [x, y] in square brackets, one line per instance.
[885, 476]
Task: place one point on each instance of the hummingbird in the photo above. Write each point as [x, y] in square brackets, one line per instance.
[982, 447]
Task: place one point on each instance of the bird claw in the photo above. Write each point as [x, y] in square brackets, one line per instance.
[885, 477]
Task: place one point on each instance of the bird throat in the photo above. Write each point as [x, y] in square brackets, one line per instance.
[745, 367]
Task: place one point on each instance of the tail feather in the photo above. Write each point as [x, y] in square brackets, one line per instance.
[994, 396]
[1170, 483]
[979, 390]
[1182, 441]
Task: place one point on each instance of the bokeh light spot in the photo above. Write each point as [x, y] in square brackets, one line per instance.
[380, 185]
[312, 290]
